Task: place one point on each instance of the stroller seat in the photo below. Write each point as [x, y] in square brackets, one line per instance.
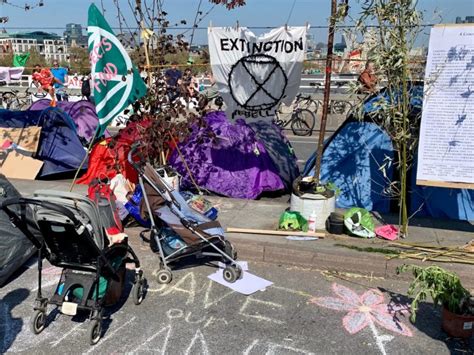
[201, 235]
[74, 239]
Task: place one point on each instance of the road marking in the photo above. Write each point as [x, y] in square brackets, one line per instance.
[73, 329]
[191, 291]
[109, 336]
[204, 348]
[257, 316]
[272, 347]
[208, 303]
[168, 330]
[247, 351]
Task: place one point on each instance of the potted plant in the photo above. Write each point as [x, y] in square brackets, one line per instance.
[445, 288]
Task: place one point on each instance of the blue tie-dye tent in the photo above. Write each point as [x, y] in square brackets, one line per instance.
[359, 160]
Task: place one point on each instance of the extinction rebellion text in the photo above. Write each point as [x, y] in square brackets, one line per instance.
[239, 44]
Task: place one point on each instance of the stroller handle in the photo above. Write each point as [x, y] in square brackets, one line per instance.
[131, 154]
[48, 205]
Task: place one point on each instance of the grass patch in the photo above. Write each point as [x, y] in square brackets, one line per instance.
[370, 249]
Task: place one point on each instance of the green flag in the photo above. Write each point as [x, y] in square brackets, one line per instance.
[115, 81]
[19, 60]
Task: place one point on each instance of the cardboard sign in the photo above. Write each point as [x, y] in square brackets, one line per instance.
[18, 166]
[26, 138]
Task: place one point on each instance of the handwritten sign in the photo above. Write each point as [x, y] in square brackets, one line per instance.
[445, 155]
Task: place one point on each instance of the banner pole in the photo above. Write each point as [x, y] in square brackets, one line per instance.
[327, 91]
[84, 160]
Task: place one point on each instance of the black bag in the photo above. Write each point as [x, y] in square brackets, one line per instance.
[86, 87]
[15, 247]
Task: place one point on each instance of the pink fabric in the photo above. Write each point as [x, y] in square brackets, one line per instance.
[389, 232]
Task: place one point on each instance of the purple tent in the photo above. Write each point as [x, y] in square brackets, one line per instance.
[82, 112]
[234, 164]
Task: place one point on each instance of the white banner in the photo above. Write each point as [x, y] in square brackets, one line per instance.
[255, 74]
[446, 148]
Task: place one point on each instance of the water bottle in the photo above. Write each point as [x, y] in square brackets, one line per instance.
[312, 222]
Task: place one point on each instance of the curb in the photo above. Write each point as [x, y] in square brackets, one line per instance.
[337, 260]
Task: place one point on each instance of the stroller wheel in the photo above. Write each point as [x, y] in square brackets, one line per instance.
[164, 276]
[138, 291]
[232, 273]
[95, 331]
[230, 250]
[38, 322]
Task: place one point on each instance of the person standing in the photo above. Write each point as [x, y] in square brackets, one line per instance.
[60, 74]
[367, 79]
[44, 80]
[173, 77]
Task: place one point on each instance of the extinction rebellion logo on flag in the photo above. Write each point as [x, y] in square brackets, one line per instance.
[254, 74]
[115, 81]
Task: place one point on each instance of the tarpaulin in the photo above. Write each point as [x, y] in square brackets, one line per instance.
[15, 247]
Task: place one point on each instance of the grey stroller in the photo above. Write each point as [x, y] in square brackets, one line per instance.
[198, 235]
[73, 238]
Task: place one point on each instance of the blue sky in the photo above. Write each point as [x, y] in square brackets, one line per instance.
[56, 13]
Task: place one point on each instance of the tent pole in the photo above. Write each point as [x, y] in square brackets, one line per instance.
[83, 160]
[327, 91]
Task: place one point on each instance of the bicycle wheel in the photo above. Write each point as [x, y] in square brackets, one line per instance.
[307, 103]
[339, 107]
[302, 122]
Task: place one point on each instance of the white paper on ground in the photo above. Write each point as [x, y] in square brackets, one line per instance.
[294, 237]
[243, 264]
[247, 285]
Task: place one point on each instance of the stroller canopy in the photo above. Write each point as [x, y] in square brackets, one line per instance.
[59, 146]
[83, 208]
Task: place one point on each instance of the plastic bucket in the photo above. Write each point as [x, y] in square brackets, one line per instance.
[335, 224]
[307, 203]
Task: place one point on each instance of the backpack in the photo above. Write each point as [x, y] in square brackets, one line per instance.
[104, 198]
[85, 87]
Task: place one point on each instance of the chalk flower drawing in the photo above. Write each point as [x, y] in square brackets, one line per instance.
[363, 311]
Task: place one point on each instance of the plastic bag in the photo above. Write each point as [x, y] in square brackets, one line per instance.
[133, 207]
[359, 222]
[292, 220]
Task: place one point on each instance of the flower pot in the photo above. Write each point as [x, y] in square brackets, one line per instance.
[457, 326]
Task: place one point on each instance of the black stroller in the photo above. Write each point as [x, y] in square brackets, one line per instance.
[199, 235]
[73, 239]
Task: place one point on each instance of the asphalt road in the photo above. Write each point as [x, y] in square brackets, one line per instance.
[194, 315]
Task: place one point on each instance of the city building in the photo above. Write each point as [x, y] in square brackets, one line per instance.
[48, 44]
[74, 37]
[468, 19]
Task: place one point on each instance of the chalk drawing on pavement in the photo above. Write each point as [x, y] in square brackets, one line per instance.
[365, 311]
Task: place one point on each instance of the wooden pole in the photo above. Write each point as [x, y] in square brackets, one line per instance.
[327, 90]
[320, 235]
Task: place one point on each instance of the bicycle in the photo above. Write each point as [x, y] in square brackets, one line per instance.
[302, 122]
[17, 100]
[335, 106]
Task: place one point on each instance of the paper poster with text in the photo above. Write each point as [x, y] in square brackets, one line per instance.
[446, 147]
[254, 74]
